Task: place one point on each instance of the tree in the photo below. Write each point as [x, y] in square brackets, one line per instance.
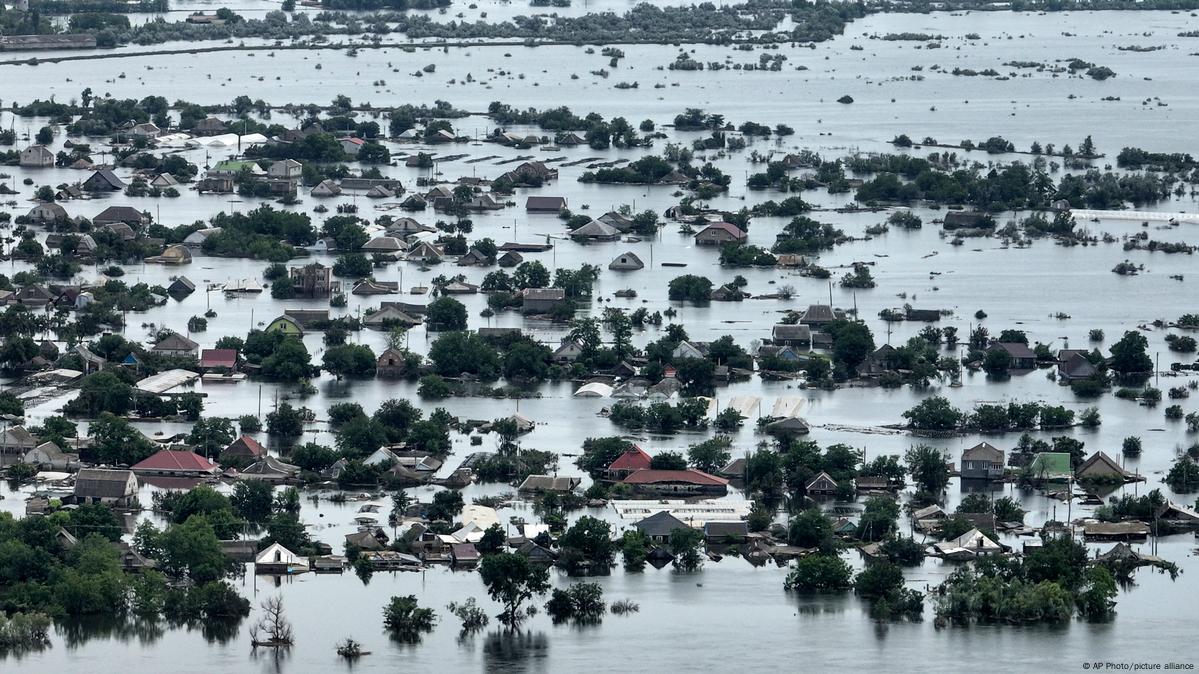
[493, 540]
[685, 546]
[711, 455]
[252, 500]
[115, 441]
[191, 549]
[210, 435]
[285, 422]
[355, 265]
[819, 573]
[445, 506]
[355, 360]
[634, 546]
[928, 468]
[1129, 359]
[811, 529]
[996, 363]
[512, 580]
[690, 287]
[878, 519]
[406, 620]
[878, 580]
[531, 275]
[852, 342]
[446, 313]
[581, 602]
[668, 461]
[934, 414]
[273, 629]
[587, 543]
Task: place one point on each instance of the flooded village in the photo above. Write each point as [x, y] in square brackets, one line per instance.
[508, 337]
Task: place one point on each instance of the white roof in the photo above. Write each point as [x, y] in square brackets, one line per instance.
[696, 512]
[165, 381]
[283, 556]
[787, 406]
[482, 516]
[230, 140]
[594, 390]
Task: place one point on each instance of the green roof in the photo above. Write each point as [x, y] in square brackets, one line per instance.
[1051, 465]
[234, 165]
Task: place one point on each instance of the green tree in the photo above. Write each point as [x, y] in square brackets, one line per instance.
[406, 620]
[252, 500]
[1129, 358]
[712, 455]
[446, 313]
[685, 546]
[811, 529]
[512, 580]
[928, 468]
[819, 573]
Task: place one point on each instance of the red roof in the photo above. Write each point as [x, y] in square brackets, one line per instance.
[726, 226]
[632, 459]
[218, 358]
[171, 460]
[689, 476]
[250, 446]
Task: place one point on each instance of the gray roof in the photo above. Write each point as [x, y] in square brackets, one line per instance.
[791, 332]
[660, 524]
[102, 483]
[983, 451]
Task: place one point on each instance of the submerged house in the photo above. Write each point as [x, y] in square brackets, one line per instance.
[277, 559]
[689, 482]
[174, 463]
[1050, 466]
[983, 461]
[102, 485]
[658, 527]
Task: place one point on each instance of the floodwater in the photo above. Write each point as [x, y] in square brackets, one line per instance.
[729, 612]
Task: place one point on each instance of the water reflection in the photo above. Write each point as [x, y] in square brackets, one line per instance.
[513, 650]
[272, 659]
[77, 631]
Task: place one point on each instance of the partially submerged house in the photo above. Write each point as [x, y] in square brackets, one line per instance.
[983, 461]
[176, 463]
[102, 485]
[277, 559]
[676, 482]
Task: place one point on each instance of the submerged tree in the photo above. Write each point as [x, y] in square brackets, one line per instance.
[273, 629]
[512, 580]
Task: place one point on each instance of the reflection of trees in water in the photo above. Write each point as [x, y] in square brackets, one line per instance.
[506, 649]
[272, 658]
[78, 631]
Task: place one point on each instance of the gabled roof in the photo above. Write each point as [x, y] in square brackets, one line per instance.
[660, 523]
[218, 358]
[245, 446]
[634, 458]
[173, 460]
[104, 483]
[728, 227]
[1101, 463]
[1015, 350]
[983, 451]
[176, 342]
[820, 477]
[688, 476]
